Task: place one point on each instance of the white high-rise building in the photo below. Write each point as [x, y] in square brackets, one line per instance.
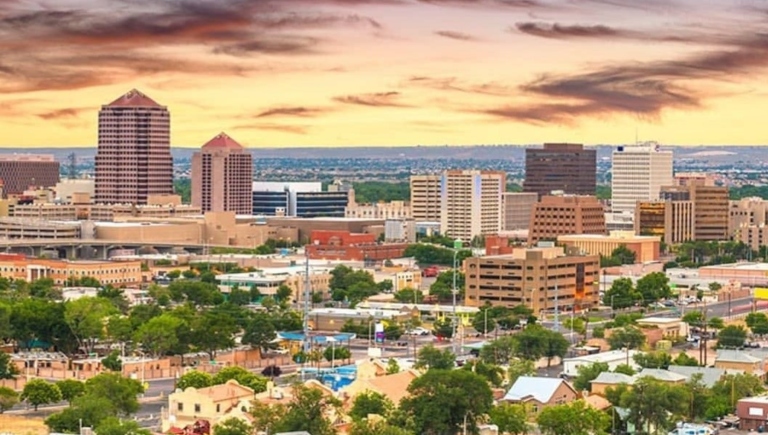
[471, 203]
[638, 174]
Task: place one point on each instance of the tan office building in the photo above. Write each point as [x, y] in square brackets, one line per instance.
[747, 220]
[563, 215]
[517, 210]
[380, 210]
[672, 221]
[710, 209]
[19, 172]
[535, 277]
[425, 198]
[471, 203]
[222, 177]
[646, 248]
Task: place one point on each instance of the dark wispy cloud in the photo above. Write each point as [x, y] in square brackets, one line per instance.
[303, 112]
[67, 47]
[71, 112]
[379, 99]
[562, 31]
[607, 33]
[456, 84]
[640, 89]
[450, 34]
[492, 3]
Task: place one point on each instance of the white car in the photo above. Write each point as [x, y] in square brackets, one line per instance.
[418, 331]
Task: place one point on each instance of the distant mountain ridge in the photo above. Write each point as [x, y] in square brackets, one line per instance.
[458, 152]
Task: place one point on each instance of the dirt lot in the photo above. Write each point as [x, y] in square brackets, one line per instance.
[21, 425]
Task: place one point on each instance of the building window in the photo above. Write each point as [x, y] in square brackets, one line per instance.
[180, 407]
[218, 407]
[197, 408]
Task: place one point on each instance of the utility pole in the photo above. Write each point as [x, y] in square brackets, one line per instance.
[307, 282]
[457, 245]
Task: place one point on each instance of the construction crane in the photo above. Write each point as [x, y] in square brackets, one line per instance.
[72, 165]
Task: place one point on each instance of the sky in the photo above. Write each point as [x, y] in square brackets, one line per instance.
[282, 73]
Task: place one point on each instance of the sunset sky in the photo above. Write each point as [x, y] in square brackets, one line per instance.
[390, 72]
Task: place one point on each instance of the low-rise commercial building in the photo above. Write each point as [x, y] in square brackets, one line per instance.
[380, 210]
[672, 221]
[540, 278]
[116, 273]
[646, 248]
[342, 245]
[268, 280]
[209, 406]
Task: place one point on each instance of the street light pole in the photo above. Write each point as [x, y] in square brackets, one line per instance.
[456, 247]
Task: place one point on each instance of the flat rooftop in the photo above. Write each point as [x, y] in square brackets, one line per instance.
[745, 266]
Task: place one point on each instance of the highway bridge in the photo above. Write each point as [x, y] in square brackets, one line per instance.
[95, 248]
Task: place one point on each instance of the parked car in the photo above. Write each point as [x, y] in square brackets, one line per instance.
[272, 371]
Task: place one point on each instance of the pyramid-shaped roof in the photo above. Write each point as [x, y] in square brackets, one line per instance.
[222, 140]
[134, 98]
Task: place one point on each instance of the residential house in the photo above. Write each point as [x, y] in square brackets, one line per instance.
[537, 393]
[739, 360]
[371, 378]
[709, 375]
[661, 375]
[607, 380]
[212, 405]
[613, 358]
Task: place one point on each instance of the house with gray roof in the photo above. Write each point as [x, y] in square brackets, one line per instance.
[709, 375]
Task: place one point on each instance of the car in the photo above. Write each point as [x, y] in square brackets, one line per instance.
[418, 331]
[272, 371]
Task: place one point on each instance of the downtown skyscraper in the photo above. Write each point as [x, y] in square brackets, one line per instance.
[222, 176]
[133, 160]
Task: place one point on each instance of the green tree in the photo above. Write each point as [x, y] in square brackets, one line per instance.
[120, 391]
[113, 362]
[336, 353]
[653, 360]
[160, 334]
[716, 323]
[70, 389]
[575, 418]
[214, 331]
[194, 379]
[653, 287]
[624, 255]
[266, 416]
[283, 293]
[442, 401]
[232, 426]
[38, 392]
[116, 426]
[499, 351]
[628, 337]
[510, 418]
[242, 376]
[189, 274]
[365, 427]
[622, 294]
[260, 332]
[732, 336]
[86, 411]
[682, 359]
[483, 322]
[588, 373]
[174, 274]
[85, 317]
[8, 399]
[369, 403]
[8, 369]
[732, 388]
[699, 396]
[492, 373]
[757, 323]
[392, 367]
[443, 328]
[518, 368]
[409, 296]
[433, 358]
[442, 288]
[308, 412]
[654, 404]
[625, 369]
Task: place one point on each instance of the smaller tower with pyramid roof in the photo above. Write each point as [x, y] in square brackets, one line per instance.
[222, 176]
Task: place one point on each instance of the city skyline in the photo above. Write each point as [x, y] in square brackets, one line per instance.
[389, 72]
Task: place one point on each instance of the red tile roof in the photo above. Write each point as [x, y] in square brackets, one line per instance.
[222, 141]
[134, 98]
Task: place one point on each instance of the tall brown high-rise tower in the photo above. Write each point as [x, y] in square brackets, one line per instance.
[133, 160]
[560, 167]
[222, 176]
